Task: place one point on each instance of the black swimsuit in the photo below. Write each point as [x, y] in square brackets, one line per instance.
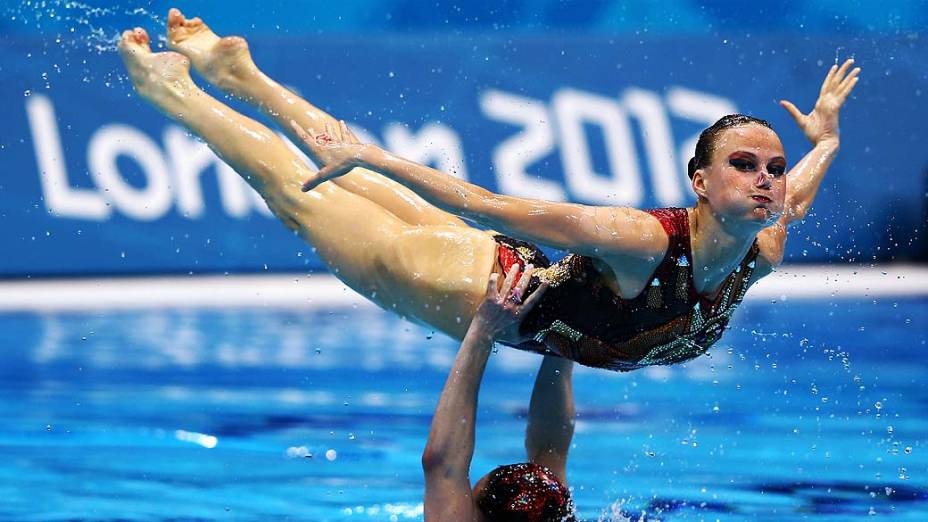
[581, 319]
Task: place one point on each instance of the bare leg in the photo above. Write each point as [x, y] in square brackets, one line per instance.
[434, 274]
[227, 64]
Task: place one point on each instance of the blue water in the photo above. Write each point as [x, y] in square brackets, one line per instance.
[807, 410]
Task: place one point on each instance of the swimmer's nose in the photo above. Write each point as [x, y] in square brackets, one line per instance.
[764, 178]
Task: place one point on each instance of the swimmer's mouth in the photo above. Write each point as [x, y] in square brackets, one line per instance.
[762, 199]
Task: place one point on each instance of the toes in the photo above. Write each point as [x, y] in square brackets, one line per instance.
[175, 17]
[140, 36]
[136, 37]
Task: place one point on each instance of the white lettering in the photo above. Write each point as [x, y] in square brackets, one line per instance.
[646, 106]
[623, 187]
[60, 198]
[699, 107]
[112, 141]
[514, 155]
[188, 158]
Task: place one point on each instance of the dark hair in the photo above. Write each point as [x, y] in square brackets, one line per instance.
[706, 144]
[525, 493]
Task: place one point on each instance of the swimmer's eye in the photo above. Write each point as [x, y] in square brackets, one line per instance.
[742, 164]
[776, 170]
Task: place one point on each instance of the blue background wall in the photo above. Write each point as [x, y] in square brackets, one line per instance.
[128, 192]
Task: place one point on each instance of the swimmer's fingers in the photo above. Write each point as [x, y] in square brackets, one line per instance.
[834, 76]
[492, 286]
[828, 77]
[507, 283]
[533, 299]
[347, 136]
[847, 85]
[522, 286]
[846, 91]
[332, 132]
[839, 75]
[304, 136]
[325, 174]
[793, 111]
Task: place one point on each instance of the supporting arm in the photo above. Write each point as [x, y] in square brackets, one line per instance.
[551, 416]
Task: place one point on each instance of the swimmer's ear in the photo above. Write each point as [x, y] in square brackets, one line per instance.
[699, 183]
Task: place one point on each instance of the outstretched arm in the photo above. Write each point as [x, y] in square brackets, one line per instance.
[551, 416]
[803, 180]
[450, 448]
[589, 230]
[821, 128]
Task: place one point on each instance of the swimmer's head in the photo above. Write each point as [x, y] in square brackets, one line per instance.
[523, 492]
[739, 170]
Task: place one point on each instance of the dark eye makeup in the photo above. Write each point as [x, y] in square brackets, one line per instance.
[746, 165]
[777, 170]
[741, 164]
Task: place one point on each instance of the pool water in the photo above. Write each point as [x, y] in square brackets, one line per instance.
[806, 410]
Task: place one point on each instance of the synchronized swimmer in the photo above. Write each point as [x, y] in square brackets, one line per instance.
[639, 287]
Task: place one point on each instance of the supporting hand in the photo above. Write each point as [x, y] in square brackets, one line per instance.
[502, 307]
[822, 123]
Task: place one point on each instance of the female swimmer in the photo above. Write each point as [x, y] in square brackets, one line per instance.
[641, 287]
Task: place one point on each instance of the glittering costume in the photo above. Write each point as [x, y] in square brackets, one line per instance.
[581, 319]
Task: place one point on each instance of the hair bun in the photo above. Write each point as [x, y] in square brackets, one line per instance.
[691, 167]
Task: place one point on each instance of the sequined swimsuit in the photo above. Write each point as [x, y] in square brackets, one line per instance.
[580, 318]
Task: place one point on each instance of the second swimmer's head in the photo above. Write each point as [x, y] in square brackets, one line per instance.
[523, 493]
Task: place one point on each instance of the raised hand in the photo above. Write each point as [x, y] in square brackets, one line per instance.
[337, 147]
[822, 123]
[503, 306]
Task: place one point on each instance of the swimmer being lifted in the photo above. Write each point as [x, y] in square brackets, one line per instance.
[641, 287]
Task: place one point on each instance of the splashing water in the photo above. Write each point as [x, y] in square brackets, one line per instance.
[78, 25]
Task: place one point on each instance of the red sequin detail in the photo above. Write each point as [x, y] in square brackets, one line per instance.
[508, 257]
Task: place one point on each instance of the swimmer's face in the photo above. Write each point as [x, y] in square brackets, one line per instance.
[746, 181]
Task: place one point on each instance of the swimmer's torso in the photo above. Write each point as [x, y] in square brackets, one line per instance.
[582, 318]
